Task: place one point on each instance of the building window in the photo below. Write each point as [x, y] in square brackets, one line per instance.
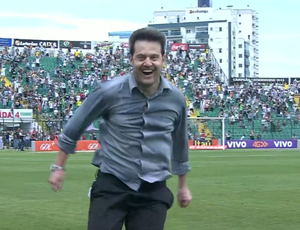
[197, 18]
[211, 29]
[220, 60]
[188, 31]
[203, 40]
[240, 75]
[201, 29]
[220, 50]
[165, 16]
[240, 55]
[211, 40]
[175, 32]
[249, 37]
[240, 23]
[183, 18]
[240, 15]
[240, 65]
[240, 31]
[220, 29]
[240, 46]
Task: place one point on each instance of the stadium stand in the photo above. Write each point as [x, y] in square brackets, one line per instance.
[54, 84]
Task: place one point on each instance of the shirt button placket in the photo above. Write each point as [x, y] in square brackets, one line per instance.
[143, 135]
[144, 120]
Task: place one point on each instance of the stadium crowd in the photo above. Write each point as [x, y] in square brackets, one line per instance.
[55, 82]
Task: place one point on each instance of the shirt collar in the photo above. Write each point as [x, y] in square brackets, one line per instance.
[164, 84]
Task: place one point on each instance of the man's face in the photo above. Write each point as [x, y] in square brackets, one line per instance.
[147, 62]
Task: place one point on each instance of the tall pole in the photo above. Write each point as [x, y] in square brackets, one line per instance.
[223, 133]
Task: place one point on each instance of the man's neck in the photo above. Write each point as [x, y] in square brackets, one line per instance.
[149, 90]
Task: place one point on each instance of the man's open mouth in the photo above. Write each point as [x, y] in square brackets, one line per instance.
[147, 71]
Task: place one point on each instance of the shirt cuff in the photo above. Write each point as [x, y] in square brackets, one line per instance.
[180, 168]
[66, 144]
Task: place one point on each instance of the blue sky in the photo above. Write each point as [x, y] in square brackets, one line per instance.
[279, 31]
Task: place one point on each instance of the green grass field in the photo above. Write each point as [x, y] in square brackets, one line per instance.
[232, 190]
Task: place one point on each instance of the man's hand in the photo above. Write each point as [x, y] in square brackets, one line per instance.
[56, 180]
[57, 176]
[184, 197]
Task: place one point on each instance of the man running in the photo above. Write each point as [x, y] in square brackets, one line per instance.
[143, 129]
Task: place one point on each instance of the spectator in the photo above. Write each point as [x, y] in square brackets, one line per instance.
[54, 83]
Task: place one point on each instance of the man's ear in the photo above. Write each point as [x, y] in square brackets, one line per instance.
[164, 59]
[131, 60]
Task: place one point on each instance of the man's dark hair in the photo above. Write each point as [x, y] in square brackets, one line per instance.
[147, 34]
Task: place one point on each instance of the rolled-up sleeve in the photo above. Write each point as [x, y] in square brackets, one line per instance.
[180, 154]
[92, 108]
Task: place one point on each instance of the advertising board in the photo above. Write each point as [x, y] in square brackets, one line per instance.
[262, 144]
[48, 146]
[75, 44]
[103, 45]
[15, 115]
[5, 42]
[91, 145]
[205, 145]
[35, 43]
[176, 46]
[201, 47]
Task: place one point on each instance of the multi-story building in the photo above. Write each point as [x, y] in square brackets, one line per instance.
[247, 25]
[230, 34]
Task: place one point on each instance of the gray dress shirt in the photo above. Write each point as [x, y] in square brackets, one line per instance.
[140, 137]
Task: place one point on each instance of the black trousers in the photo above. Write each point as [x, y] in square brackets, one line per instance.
[113, 203]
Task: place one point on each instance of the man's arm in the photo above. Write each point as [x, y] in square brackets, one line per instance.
[180, 154]
[182, 181]
[61, 159]
[92, 108]
[180, 158]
